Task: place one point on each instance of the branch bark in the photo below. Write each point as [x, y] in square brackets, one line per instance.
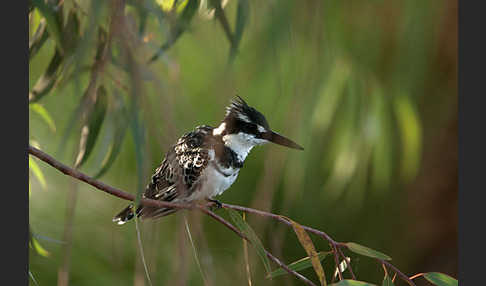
[204, 208]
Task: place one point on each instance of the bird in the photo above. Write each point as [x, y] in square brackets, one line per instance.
[205, 162]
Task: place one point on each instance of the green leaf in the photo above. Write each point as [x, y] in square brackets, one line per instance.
[188, 12]
[242, 14]
[347, 282]
[298, 265]
[39, 38]
[121, 125]
[440, 279]
[44, 114]
[53, 26]
[37, 172]
[46, 82]
[410, 134]
[366, 251]
[251, 235]
[387, 281]
[91, 129]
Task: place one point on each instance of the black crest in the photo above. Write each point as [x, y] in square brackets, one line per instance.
[239, 114]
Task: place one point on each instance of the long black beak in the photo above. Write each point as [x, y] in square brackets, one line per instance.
[279, 139]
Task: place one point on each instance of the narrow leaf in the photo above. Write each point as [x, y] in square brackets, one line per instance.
[38, 39]
[387, 281]
[306, 242]
[53, 25]
[347, 282]
[251, 235]
[91, 129]
[410, 134]
[242, 14]
[113, 151]
[300, 264]
[188, 11]
[35, 245]
[440, 279]
[37, 172]
[46, 82]
[366, 251]
[44, 114]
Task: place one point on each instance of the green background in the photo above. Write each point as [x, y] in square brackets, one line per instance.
[369, 88]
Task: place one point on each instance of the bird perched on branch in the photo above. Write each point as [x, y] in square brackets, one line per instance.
[205, 162]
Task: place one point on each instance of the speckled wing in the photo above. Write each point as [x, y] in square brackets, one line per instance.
[175, 179]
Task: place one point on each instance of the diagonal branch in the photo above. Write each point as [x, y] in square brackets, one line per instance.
[148, 202]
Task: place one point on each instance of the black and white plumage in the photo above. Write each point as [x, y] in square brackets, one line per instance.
[206, 162]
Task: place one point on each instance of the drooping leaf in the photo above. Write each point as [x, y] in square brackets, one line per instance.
[37, 172]
[387, 281]
[71, 32]
[307, 244]
[181, 25]
[38, 39]
[120, 120]
[366, 251]
[440, 279]
[347, 282]
[251, 235]
[35, 245]
[33, 279]
[44, 114]
[49, 12]
[45, 83]
[170, 5]
[300, 264]
[410, 134]
[92, 127]
[139, 139]
[242, 15]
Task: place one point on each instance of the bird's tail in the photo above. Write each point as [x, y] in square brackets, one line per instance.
[125, 215]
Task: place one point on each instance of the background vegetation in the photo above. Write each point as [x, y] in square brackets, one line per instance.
[369, 88]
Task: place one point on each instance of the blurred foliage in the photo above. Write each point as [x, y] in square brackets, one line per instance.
[367, 87]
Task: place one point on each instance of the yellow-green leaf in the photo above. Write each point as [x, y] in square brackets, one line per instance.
[44, 114]
[251, 235]
[37, 172]
[306, 242]
[298, 265]
[168, 5]
[411, 136]
[347, 282]
[34, 244]
[366, 251]
[440, 279]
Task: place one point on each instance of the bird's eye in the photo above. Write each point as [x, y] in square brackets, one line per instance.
[248, 128]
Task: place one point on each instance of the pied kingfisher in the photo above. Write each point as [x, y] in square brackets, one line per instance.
[205, 162]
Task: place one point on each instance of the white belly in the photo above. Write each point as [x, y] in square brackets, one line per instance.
[213, 182]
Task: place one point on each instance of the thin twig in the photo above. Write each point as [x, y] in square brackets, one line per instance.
[348, 263]
[194, 250]
[142, 255]
[336, 260]
[403, 276]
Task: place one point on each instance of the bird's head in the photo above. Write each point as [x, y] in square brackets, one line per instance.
[244, 127]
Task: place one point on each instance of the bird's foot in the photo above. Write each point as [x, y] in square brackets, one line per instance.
[218, 203]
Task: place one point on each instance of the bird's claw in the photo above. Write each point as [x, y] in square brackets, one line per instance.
[218, 203]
